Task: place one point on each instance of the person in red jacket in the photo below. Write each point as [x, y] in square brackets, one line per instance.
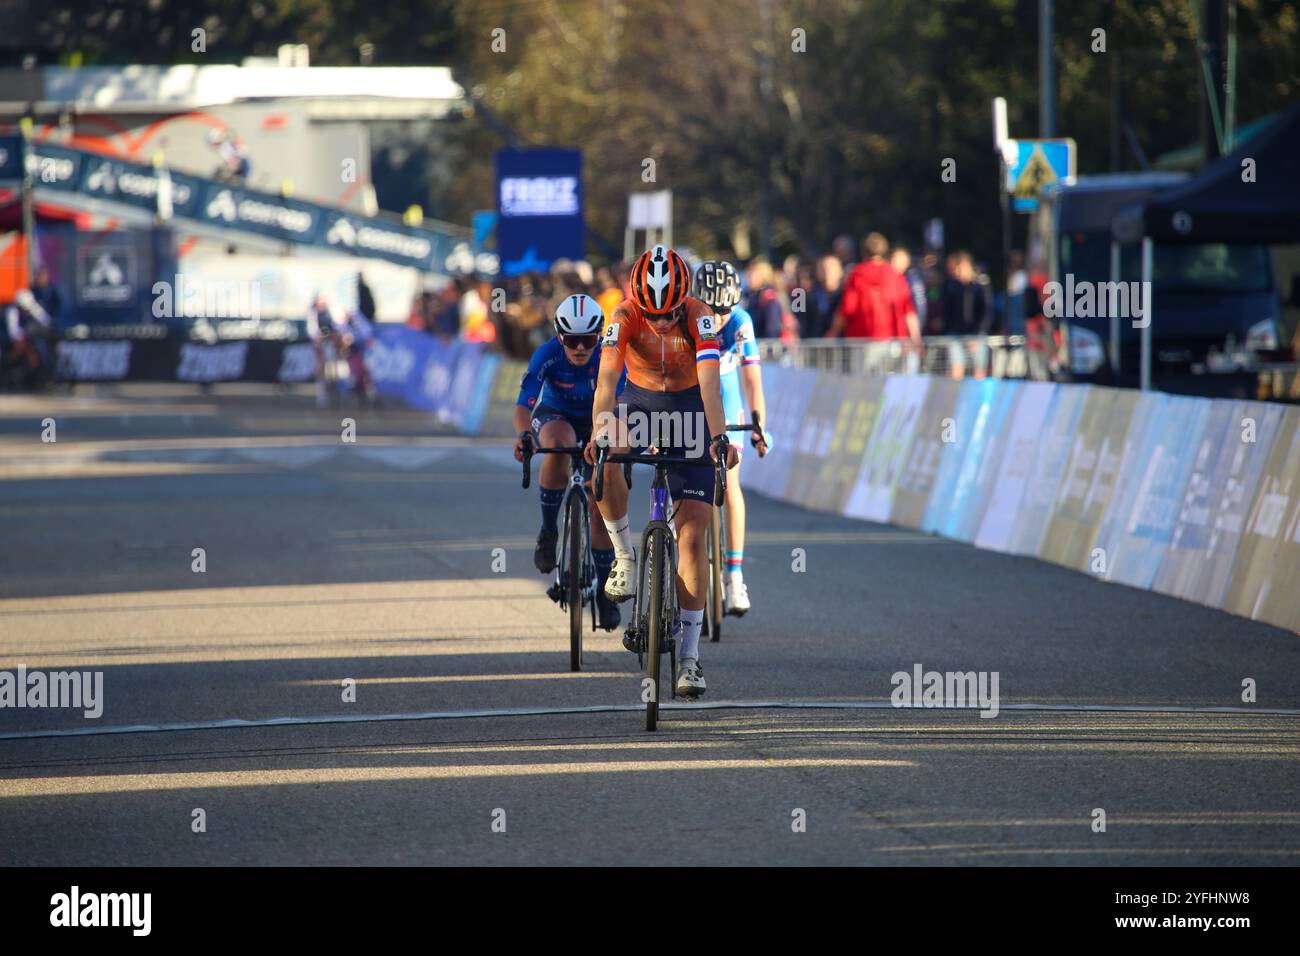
[877, 303]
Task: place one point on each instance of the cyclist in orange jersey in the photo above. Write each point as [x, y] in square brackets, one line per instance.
[667, 341]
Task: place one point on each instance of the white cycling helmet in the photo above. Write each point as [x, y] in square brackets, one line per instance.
[717, 283]
[579, 315]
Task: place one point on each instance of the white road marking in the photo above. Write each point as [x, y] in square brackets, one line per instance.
[237, 723]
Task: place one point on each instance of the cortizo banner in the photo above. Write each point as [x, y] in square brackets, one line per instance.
[218, 204]
[451, 379]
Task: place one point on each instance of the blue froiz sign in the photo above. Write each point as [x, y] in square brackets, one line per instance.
[539, 208]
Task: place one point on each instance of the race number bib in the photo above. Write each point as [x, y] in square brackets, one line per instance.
[706, 327]
[611, 335]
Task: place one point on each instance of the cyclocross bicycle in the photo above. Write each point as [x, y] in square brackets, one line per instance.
[655, 614]
[716, 607]
[575, 569]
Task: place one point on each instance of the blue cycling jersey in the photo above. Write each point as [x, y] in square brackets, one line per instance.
[552, 380]
[739, 347]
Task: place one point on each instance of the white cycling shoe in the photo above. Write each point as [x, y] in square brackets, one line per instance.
[737, 596]
[620, 586]
[690, 678]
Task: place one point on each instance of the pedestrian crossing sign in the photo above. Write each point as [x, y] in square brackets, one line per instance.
[1037, 163]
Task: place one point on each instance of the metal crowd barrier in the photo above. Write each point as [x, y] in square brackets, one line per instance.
[957, 356]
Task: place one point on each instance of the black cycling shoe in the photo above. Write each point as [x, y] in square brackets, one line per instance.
[608, 613]
[544, 556]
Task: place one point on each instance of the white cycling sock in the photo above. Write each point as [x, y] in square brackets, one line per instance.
[620, 533]
[692, 621]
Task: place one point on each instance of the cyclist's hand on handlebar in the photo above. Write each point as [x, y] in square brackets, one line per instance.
[727, 449]
[591, 450]
[524, 442]
[762, 441]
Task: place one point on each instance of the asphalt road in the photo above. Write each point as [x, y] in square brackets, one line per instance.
[470, 742]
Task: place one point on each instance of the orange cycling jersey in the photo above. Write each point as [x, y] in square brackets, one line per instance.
[663, 362]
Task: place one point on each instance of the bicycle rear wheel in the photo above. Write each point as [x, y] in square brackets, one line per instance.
[656, 560]
[576, 565]
[716, 612]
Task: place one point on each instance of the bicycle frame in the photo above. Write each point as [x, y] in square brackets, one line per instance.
[660, 502]
[576, 486]
[642, 628]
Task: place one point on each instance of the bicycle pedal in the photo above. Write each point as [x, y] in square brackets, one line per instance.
[554, 592]
[632, 641]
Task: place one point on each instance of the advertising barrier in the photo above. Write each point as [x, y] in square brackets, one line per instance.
[859, 404]
[1193, 497]
[888, 446]
[978, 467]
[1139, 523]
[1221, 486]
[1014, 466]
[927, 449]
[1050, 460]
[956, 434]
[1257, 571]
[1089, 476]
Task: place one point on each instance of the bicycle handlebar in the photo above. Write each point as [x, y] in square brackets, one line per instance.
[754, 426]
[530, 450]
[604, 457]
[527, 439]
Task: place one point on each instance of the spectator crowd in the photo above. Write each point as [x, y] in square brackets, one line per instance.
[870, 290]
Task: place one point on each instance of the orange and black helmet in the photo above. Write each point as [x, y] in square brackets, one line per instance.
[660, 280]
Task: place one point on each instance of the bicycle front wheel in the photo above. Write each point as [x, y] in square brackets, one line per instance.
[576, 565]
[657, 562]
[715, 575]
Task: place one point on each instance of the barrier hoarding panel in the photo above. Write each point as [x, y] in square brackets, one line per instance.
[956, 437]
[1139, 521]
[788, 407]
[774, 379]
[979, 467]
[886, 453]
[1089, 477]
[814, 440]
[1050, 461]
[498, 417]
[1280, 602]
[1259, 567]
[859, 405]
[923, 459]
[1226, 470]
[1015, 465]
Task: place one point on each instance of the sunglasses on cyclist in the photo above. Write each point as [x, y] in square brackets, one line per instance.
[668, 318]
[580, 341]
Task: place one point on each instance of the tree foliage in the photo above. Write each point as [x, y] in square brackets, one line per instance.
[816, 116]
